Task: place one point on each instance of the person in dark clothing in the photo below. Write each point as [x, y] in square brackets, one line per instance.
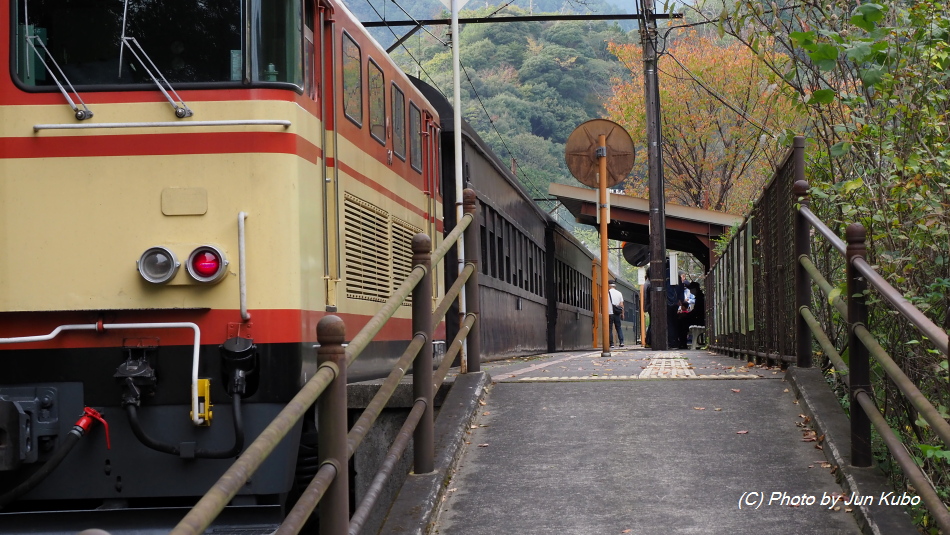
[696, 316]
[675, 297]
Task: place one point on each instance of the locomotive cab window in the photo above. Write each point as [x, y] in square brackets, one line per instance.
[399, 123]
[415, 137]
[377, 102]
[187, 42]
[352, 80]
[277, 37]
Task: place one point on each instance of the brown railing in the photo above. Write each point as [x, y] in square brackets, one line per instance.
[754, 314]
[862, 345]
[336, 444]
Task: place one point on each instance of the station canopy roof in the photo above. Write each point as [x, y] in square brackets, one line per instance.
[688, 229]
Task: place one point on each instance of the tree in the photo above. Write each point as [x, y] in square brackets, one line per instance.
[723, 121]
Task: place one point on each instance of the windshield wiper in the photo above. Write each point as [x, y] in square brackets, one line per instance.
[81, 114]
[181, 109]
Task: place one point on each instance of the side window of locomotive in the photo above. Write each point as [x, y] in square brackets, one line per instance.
[377, 102]
[415, 137]
[399, 123]
[352, 80]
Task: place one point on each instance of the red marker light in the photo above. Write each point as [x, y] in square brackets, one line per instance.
[206, 263]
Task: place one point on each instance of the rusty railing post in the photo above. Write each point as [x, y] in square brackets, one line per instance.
[472, 249]
[422, 366]
[802, 281]
[859, 373]
[331, 418]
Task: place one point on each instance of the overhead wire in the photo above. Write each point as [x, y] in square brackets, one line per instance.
[719, 19]
[719, 97]
[528, 183]
[699, 81]
[413, 19]
[409, 52]
[534, 189]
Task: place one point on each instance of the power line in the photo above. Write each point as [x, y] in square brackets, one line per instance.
[500, 137]
[712, 92]
[717, 96]
[720, 19]
[534, 189]
[418, 23]
[409, 52]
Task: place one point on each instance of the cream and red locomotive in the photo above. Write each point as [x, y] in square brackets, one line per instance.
[186, 188]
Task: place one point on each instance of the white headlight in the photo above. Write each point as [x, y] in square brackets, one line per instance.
[158, 265]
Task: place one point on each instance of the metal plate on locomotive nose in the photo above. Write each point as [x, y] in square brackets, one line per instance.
[580, 152]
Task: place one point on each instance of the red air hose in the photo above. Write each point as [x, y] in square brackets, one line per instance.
[85, 422]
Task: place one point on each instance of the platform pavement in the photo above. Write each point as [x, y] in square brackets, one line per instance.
[581, 444]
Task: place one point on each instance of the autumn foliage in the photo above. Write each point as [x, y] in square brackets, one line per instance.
[723, 120]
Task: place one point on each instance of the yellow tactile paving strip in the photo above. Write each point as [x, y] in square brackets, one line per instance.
[626, 365]
[668, 368]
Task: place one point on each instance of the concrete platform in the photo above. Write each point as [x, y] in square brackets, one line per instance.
[581, 444]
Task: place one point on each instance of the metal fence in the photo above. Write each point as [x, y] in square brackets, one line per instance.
[762, 307]
[327, 388]
[750, 299]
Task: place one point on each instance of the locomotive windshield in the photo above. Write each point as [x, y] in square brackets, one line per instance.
[188, 41]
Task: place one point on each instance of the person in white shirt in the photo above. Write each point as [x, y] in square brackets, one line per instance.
[616, 308]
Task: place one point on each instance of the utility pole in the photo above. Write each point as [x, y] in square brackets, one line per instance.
[648, 36]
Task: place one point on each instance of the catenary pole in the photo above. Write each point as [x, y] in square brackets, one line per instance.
[457, 139]
[604, 213]
[648, 36]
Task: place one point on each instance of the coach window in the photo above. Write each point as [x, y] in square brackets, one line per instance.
[377, 101]
[352, 80]
[415, 137]
[399, 123]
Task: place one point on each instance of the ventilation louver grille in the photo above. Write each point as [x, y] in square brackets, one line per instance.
[368, 257]
[378, 250]
[402, 252]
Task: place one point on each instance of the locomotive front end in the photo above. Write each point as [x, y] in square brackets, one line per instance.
[160, 173]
